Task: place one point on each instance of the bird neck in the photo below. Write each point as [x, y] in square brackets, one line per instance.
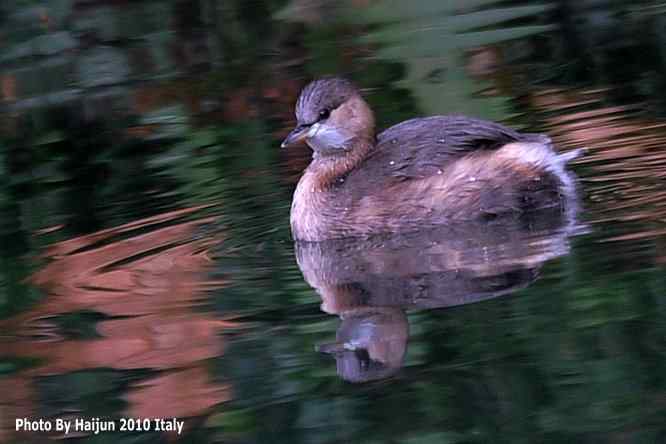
[331, 171]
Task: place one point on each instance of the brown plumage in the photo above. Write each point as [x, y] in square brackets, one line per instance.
[420, 173]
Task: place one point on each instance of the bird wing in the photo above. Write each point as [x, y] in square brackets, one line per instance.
[422, 147]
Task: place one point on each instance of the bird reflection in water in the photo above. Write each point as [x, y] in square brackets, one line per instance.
[371, 283]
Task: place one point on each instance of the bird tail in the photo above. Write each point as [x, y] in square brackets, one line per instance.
[567, 157]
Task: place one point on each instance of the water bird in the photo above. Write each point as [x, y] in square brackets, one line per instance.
[418, 174]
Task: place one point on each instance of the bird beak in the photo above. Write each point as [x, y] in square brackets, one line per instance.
[334, 348]
[297, 135]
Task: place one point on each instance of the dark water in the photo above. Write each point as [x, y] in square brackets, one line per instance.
[147, 269]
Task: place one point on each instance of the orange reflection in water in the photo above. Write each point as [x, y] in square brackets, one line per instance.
[625, 160]
[149, 277]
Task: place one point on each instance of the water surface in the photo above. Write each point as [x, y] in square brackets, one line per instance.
[147, 268]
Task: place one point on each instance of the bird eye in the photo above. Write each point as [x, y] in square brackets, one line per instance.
[324, 114]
